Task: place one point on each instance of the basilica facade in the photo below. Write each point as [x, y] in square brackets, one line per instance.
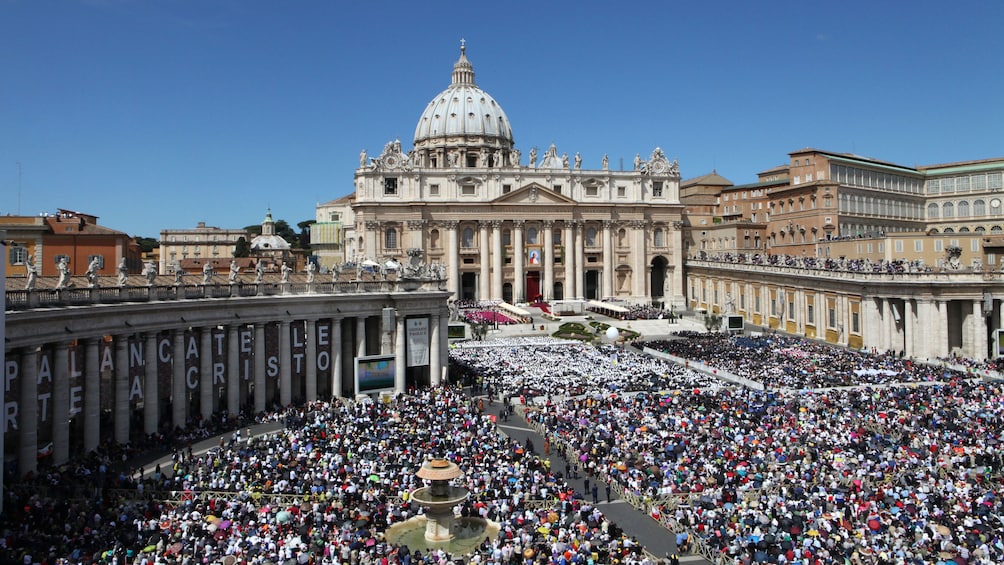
[517, 226]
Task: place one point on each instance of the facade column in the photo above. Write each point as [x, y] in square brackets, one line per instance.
[310, 387]
[206, 372]
[360, 336]
[372, 235]
[92, 394]
[61, 403]
[179, 398]
[518, 253]
[435, 360]
[978, 346]
[121, 410]
[336, 357]
[399, 357]
[570, 260]
[259, 367]
[285, 371]
[547, 258]
[484, 291]
[151, 390]
[677, 260]
[233, 371]
[607, 280]
[497, 252]
[452, 258]
[638, 254]
[580, 262]
[27, 459]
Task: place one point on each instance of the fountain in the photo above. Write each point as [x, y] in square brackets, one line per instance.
[438, 527]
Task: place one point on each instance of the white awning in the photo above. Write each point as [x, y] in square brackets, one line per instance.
[607, 306]
[510, 308]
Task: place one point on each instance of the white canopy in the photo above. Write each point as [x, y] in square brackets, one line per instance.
[607, 306]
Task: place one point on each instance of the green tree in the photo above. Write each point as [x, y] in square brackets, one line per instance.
[147, 244]
[305, 233]
[242, 248]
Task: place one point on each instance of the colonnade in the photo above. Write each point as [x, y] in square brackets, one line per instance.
[73, 392]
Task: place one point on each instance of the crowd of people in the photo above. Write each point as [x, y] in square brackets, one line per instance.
[349, 467]
[865, 265]
[782, 361]
[902, 474]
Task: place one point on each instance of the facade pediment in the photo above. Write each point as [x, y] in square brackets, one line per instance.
[533, 193]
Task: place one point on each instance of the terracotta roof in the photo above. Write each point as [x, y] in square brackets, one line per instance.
[710, 179]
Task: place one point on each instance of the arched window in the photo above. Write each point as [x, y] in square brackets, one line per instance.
[390, 239]
[995, 229]
[659, 238]
[963, 209]
[933, 211]
[467, 238]
[949, 230]
[531, 236]
[948, 210]
[963, 230]
[590, 237]
[980, 229]
[979, 208]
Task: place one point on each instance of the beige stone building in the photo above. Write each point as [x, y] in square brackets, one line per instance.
[515, 225]
[204, 243]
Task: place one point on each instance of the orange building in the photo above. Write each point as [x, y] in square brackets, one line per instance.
[73, 235]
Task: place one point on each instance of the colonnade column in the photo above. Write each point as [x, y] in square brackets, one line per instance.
[496, 227]
[285, 372]
[399, 356]
[547, 257]
[925, 312]
[941, 330]
[61, 403]
[92, 394]
[569, 257]
[310, 387]
[151, 393]
[978, 345]
[580, 261]
[435, 362]
[178, 396]
[206, 372]
[259, 367]
[453, 258]
[28, 418]
[607, 281]
[122, 388]
[336, 357]
[233, 371]
[360, 336]
[484, 291]
[518, 276]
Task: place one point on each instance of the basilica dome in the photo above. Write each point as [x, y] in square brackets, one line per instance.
[463, 111]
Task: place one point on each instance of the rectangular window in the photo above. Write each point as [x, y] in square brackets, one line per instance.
[557, 188]
[994, 181]
[833, 317]
[991, 258]
[974, 245]
[99, 258]
[657, 189]
[933, 186]
[18, 254]
[468, 190]
[59, 258]
[390, 186]
[939, 246]
[433, 190]
[591, 191]
[334, 217]
[947, 185]
[899, 246]
[756, 303]
[918, 245]
[506, 188]
[621, 191]
[810, 314]
[855, 323]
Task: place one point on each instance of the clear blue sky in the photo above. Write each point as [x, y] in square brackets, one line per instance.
[155, 114]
